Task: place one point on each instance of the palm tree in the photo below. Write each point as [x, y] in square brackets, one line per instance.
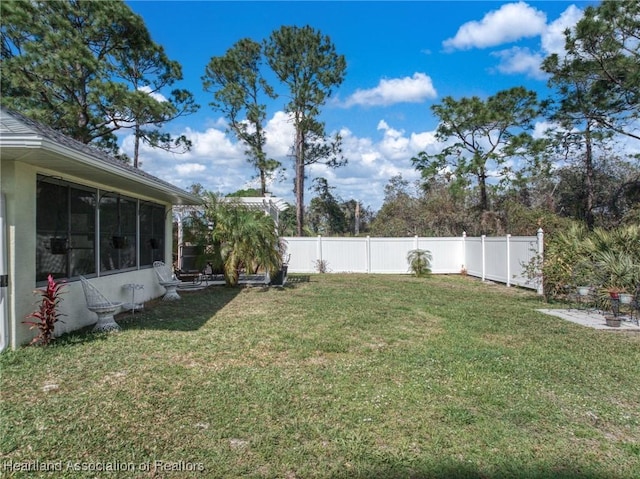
[420, 261]
[247, 239]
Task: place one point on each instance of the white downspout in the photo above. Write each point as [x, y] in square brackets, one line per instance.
[4, 277]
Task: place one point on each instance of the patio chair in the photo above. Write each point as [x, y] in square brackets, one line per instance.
[635, 307]
[167, 280]
[99, 304]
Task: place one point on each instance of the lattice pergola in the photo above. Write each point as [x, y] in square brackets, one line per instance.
[271, 206]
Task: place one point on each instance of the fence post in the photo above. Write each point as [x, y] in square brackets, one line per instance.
[483, 258]
[368, 253]
[415, 242]
[541, 258]
[464, 252]
[508, 260]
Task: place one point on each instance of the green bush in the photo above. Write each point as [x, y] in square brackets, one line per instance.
[603, 259]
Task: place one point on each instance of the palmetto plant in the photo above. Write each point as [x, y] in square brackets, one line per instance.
[606, 259]
[419, 262]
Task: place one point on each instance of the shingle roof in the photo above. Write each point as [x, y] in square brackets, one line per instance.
[12, 122]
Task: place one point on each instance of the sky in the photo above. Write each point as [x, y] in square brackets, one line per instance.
[402, 58]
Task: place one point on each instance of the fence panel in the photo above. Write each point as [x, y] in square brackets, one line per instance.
[523, 250]
[345, 255]
[473, 256]
[303, 253]
[447, 253]
[389, 255]
[497, 259]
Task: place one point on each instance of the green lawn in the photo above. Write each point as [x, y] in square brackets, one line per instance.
[340, 376]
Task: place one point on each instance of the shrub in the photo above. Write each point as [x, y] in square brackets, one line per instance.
[604, 259]
[419, 262]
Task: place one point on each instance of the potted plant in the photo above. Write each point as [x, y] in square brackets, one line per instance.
[584, 278]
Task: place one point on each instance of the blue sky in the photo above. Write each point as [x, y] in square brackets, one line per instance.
[402, 57]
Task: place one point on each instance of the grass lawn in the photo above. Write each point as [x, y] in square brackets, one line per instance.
[343, 376]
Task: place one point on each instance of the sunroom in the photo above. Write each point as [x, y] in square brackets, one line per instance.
[70, 210]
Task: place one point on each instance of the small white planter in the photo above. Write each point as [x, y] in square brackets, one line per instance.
[584, 290]
[626, 298]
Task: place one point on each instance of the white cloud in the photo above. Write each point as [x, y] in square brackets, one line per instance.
[280, 133]
[541, 128]
[218, 162]
[509, 23]
[188, 169]
[155, 95]
[520, 60]
[552, 39]
[415, 89]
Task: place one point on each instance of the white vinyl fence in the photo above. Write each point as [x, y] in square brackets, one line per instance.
[500, 259]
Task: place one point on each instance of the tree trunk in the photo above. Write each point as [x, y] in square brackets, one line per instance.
[588, 182]
[136, 146]
[263, 181]
[299, 182]
[482, 184]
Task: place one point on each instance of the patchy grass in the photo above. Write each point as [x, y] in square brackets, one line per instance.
[344, 376]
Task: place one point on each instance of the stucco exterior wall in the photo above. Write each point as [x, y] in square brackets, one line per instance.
[18, 183]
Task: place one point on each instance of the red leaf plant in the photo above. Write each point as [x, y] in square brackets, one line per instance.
[47, 315]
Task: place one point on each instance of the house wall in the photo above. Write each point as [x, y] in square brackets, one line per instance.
[18, 182]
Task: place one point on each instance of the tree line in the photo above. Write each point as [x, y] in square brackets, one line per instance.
[498, 175]
[90, 69]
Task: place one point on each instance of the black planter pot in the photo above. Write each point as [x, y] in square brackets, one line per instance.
[280, 278]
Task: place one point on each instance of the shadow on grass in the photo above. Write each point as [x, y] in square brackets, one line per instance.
[190, 313]
[452, 470]
[298, 278]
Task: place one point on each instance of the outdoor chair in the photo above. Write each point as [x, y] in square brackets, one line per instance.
[99, 304]
[167, 280]
[635, 306]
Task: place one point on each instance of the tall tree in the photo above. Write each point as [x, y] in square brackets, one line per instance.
[401, 212]
[482, 135]
[148, 72]
[326, 215]
[87, 69]
[605, 45]
[307, 63]
[239, 90]
[577, 112]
